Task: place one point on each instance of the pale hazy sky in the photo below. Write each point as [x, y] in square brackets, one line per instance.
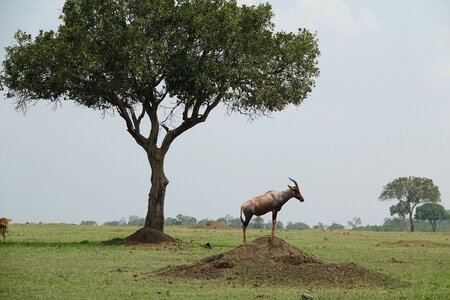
[380, 110]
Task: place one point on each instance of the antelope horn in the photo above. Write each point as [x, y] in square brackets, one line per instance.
[293, 181]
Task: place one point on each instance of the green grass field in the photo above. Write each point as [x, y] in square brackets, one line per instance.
[74, 262]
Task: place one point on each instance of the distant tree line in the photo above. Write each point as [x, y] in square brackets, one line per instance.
[183, 220]
[256, 223]
[402, 224]
[428, 217]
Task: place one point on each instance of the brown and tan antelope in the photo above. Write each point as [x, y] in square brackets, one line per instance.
[271, 201]
[3, 227]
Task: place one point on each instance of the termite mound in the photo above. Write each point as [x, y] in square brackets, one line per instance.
[212, 225]
[148, 236]
[270, 260]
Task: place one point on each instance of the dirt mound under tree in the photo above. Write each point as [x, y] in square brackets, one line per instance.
[270, 260]
[148, 236]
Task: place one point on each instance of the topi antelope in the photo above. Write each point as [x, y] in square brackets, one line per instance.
[3, 227]
[270, 201]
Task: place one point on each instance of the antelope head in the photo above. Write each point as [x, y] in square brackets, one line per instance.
[296, 191]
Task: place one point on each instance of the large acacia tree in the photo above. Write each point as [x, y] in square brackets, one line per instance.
[163, 66]
[410, 192]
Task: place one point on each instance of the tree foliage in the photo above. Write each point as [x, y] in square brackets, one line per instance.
[336, 226]
[296, 226]
[136, 221]
[410, 192]
[163, 66]
[431, 212]
[257, 223]
[354, 223]
[230, 221]
[121, 54]
[400, 209]
[181, 220]
[121, 222]
[321, 226]
[88, 223]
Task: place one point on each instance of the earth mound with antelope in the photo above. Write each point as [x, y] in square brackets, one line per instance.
[270, 260]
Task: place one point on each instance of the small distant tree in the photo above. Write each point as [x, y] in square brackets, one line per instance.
[354, 223]
[257, 223]
[136, 221]
[279, 225]
[296, 226]
[336, 226]
[410, 192]
[111, 223]
[223, 219]
[432, 212]
[226, 220]
[186, 220]
[171, 222]
[88, 223]
[320, 226]
[235, 223]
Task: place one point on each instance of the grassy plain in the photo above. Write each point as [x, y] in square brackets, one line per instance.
[59, 261]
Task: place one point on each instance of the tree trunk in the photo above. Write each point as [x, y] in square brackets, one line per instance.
[411, 221]
[433, 225]
[159, 182]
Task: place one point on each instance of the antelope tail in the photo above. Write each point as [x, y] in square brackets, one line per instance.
[242, 220]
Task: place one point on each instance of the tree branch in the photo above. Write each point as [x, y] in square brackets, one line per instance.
[152, 111]
[169, 117]
[190, 122]
[128, 114]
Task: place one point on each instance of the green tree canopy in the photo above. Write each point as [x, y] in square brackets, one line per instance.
[336, 226]
[163, 66]
[297, 226]
[432, 212]
[279, 225]
[400, 209]
[231, 221]
[410, 192]
[257, 222]
[88, 223]
[136, 221]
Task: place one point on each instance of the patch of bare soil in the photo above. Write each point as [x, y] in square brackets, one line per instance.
[270, 260]
[413, 244]
[148, 236]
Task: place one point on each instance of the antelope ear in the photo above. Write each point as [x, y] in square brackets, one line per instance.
[290, 187]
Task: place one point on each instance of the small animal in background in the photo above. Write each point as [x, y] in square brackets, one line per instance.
[3, 227]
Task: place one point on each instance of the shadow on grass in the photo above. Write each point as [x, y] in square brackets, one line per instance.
[111, 242]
